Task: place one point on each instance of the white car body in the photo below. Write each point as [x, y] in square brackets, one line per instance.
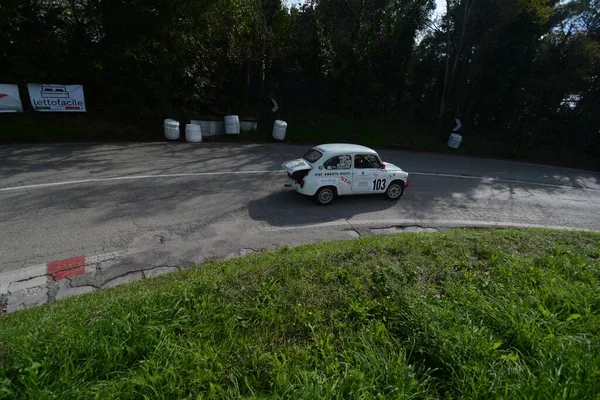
[347, 169]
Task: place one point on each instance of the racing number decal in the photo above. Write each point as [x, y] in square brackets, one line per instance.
[379, 184]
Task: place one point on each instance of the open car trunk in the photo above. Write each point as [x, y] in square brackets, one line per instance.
[297, 169]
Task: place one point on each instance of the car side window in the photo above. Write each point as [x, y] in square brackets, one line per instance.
[338, 162]
[362, 161]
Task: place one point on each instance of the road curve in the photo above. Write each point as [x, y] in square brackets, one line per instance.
[128, 208]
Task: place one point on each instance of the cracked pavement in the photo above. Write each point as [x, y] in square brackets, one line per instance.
[169, 214]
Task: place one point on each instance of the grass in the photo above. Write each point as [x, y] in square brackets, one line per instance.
[391, 134]
[466, 314]
[71, 127]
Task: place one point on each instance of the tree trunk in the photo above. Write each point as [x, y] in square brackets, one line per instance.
[450, 75]
[447, 72]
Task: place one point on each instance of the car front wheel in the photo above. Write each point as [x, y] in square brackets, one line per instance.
[324, 196]
[395, 190]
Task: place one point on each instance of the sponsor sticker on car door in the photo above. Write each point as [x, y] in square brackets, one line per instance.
[367, 174]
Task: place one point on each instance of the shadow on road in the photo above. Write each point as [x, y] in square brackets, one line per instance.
[288, 208]
[103, 216]
[46, 163]
[435, 198]
[70, 161]
[209, 199]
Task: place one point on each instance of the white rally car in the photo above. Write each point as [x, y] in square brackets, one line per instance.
[339, 169]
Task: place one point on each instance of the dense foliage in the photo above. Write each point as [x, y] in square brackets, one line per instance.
[527, 68]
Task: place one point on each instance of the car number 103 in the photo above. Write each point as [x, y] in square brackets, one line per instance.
[379, 184]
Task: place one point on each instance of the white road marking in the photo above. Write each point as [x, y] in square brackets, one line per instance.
[35, 275]
[22, 274]
[133, 177]
[92, 261]
[15, 287]
[488, 179]
[199, 174]
[33, 272]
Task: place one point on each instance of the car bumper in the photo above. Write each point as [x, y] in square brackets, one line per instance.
[296, 187]
[293, 185]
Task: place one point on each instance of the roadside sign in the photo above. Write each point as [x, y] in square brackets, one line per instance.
[10, 101]
[56, 98]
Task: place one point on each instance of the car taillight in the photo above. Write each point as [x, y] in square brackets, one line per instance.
[302, 183]
[406, 184]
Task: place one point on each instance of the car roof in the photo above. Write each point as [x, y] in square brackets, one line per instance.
[344, 148]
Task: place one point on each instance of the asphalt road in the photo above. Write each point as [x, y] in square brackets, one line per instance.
[170, 204]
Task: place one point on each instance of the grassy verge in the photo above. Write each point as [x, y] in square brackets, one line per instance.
[60, 128]
[466, 314]
[396, 134]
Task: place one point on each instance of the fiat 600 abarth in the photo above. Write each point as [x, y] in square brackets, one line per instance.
[339, 169]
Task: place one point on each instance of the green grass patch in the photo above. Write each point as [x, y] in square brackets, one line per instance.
[466, 314]
[381, 134]
[72, 127]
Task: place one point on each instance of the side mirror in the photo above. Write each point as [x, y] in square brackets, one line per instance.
[382, 165]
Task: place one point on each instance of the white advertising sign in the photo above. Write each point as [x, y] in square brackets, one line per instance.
[10, 101]
[56, 98]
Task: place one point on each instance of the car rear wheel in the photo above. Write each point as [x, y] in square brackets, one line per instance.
[395, 190]
[324, 196]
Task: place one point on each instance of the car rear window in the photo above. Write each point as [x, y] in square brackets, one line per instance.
[312, 156]
[339, 162]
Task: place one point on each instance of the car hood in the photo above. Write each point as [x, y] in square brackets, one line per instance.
[299, 164]
[391, 167]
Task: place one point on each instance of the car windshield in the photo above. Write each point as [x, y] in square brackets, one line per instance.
[312, 156]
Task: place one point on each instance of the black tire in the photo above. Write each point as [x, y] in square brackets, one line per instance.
[394, 191]
[324, 196]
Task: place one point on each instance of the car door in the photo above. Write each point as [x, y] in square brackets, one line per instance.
[337, 171]
[367, 175]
